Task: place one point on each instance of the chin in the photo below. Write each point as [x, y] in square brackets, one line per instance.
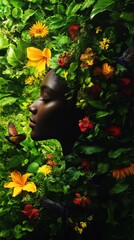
[38, 137]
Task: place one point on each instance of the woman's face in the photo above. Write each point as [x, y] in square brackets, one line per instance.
[49, 110]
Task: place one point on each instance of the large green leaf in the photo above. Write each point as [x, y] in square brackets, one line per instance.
[11, 56]
[73, 8]
[3, 41]
[118, 188]
[7, 101]
[100, 6]
[87, 4]
[116, 153]
[91, 149]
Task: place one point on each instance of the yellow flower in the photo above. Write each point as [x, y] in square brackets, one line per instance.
[104, 44]
[83, 224]
[98, 29]
[19, 183]
[45, 169]
[78, 229]
[37, 58]
[106, 70]
[29, 80]
[38, 30]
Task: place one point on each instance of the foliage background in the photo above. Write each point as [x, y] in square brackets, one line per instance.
[112, 198]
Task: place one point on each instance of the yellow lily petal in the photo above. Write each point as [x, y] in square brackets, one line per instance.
[11, 185]
[34, 54]
[39, 65]
[16, 177]
[16, 191]
[25, 177]
[30, 187]
[47, 54]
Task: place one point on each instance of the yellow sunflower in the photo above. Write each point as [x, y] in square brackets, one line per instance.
[38, 30]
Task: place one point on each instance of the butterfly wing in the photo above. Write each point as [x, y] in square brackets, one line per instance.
[14, 137]
[12, 129]
[17, 139]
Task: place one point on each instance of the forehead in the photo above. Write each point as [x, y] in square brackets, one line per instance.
[52, 84]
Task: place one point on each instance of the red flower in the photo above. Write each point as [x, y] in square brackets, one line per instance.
[81, 200]
[86, 165]
[126, 81]
[51, 163]
[63, 61]
[126, 91]
[115, 131]
[30, 212]
[73, 31]
[85, 124]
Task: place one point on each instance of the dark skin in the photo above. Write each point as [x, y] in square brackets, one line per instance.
[52, 116]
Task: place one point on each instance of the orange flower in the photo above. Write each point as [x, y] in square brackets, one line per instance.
[38, 30]
[37, 58]
[123, 172]
[19, 183]
[88, 58]
[106, 71]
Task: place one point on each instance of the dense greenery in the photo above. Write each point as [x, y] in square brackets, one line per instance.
[96, 181]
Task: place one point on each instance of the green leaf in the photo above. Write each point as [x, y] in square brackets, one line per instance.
[103, 167]
[3, 41]
[101, 114]
[100, 6]
[91, 149]
[17, 3]
[128, 16]
[7, 101]
[27, 14]
[118, 152]
[87, 4]
[56, 21]
[96, 103]
[119, 188]
[11, 56]
[17, 12]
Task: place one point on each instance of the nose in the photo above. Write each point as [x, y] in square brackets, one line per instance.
[33, 107]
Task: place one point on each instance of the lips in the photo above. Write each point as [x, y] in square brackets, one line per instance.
[32, 123]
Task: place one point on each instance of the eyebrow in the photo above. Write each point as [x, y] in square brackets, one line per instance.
[47, 87]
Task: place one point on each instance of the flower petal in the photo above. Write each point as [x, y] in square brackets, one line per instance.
[16, 176]
[30, 187]
[11, 185]
[16, 191]
[39, 65]
[25, 177]
[34, 54]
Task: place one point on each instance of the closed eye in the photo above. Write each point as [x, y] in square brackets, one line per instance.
[46, 100]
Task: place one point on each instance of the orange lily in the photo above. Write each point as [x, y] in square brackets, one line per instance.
[19, 183]
[37, 58]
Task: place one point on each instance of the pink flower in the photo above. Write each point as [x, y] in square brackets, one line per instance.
[81, 200]
[85, 124]
[30, 212]
[115, 131]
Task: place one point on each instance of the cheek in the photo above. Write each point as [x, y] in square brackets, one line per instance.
[49, 113]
